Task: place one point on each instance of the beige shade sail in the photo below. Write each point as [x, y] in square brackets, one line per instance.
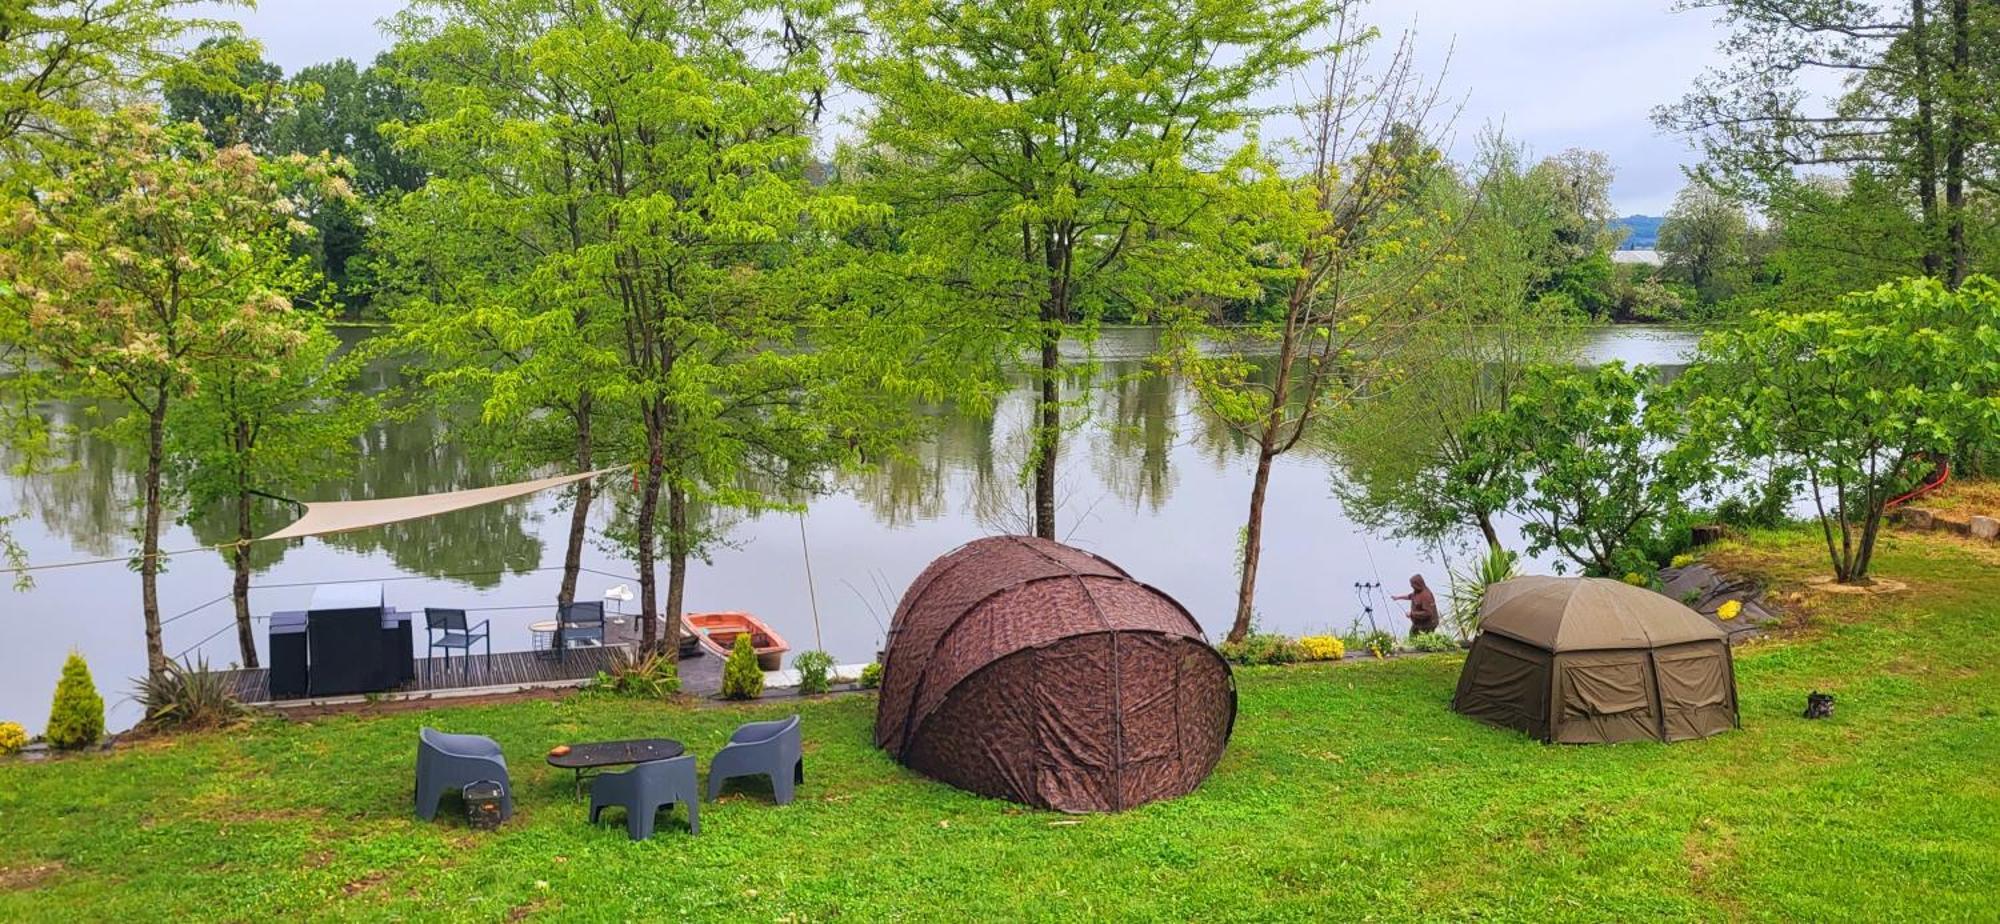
[1587, 614]
[328, 517]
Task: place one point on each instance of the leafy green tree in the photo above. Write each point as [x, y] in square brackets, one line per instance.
[618, 194]
[1358, 234]
[1853, 400]
[1585, 464]
[230, 90]
[1410, 464]
[1045, 159]
[61, 59]
[143, 257]
[1837, 235]
[256, 425]
[1703, 242]
[339, 108]
[1913, 107]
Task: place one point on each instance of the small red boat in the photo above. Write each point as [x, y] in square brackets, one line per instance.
[716, 632]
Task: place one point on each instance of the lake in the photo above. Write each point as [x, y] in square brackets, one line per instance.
[1150, 482]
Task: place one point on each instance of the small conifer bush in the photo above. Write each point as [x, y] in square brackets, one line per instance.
[76, 718]
[871, 675]
[741, 677]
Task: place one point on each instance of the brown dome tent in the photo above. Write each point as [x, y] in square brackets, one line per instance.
[1591, 660]
[1024, 669]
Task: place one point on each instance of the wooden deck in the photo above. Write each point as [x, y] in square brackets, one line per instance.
[508, 671]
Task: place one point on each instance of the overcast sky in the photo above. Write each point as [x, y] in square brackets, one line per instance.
[1555, 74]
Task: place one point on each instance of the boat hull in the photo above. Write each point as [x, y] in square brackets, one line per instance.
[715, 633]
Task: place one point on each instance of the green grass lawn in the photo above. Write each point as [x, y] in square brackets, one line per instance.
[1349, 792]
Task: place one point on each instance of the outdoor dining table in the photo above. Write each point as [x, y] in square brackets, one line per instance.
[597, 755]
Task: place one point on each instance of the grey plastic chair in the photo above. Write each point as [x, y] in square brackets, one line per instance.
[768, 749]
[645, 789]
[459, 635]
[446, 762]
[578, 622]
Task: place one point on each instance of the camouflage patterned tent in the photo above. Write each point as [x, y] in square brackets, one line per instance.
[1024, 669]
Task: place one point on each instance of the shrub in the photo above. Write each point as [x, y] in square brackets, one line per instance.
[812, 667]
[1468, 589]
[1321, 648]
[1432, 641]
[1730, 609]
[1378, 643]
[871, 676]
[652, 676]
[12, 737]
[1682, 560]
[186, 695]
[741, 677]
[76, 718]
[1262, 648]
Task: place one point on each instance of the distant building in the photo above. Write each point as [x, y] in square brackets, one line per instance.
[1637, 257]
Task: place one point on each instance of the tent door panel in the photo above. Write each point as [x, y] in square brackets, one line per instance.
[1076, 726]
[1149, 676]
[1695, 694]
[1605, 697]
[1507, 685]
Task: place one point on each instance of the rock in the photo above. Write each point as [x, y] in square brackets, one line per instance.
[1952, 524]
[1914, 517]
[1984, 528]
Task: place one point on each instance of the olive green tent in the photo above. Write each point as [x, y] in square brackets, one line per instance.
[1591, 660]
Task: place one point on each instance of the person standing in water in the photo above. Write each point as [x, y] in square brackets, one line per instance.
[1423, 606]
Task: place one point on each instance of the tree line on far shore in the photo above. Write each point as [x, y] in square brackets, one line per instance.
[617, 234]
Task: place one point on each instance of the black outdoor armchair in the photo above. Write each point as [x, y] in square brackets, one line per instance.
[762, 749]
[447, 762]
[645, 789]
[579, 622]
[449, 631]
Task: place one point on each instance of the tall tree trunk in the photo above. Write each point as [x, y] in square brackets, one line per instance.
[1048, 426]
[579, 515]
[677, 559]
[1048, 432]
[1925, 132]
[246, 639]
[1253, 540]
[649, 505]
[149, 543]
[1956, 141]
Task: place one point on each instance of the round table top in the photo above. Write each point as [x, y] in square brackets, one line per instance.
[612, 753]
[549, 626]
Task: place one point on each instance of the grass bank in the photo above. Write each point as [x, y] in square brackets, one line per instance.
[1349, 792]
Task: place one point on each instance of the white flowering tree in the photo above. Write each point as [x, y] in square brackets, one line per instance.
[144, 255]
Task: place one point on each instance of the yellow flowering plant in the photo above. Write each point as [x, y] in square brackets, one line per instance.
[1322, 647]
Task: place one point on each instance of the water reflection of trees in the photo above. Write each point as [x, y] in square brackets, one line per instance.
[412, 456]
[1139, 411]
[85, 492]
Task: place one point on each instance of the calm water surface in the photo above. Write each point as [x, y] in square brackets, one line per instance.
[1151, 482]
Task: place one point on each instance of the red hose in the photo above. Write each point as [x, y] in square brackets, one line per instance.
[1935, 482]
